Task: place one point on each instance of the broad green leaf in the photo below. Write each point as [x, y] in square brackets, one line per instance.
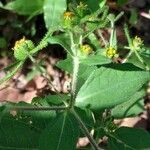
[62, 40]
[83, 74]
[56, 99]
[130, 108]
[61, 134]
[94, 41]
[87, 118]
[126, 138]
[37, 118]
[65, 65]
[107, 87]
[95, 60]
[53, 12]
[17, 134]
[25, 7]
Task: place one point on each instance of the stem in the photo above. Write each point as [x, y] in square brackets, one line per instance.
[86, 132]
[112, 35]
[141, 60]
[43, 43]
[38, 108]
[74, 80]
[103, 39]
[127, 57]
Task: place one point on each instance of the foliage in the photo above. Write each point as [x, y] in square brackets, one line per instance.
[99, 85]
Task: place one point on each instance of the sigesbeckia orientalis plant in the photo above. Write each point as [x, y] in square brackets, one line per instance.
[101, 90]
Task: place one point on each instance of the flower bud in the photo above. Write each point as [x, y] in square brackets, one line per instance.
[82, 9]
[22, 48]
[69, 18]
[111, 52]
[86, 49]
[137, 43]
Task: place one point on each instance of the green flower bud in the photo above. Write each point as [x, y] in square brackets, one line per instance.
[82, 9]
[137, 43]
[69, 19]
[86, 49]
[22, 48]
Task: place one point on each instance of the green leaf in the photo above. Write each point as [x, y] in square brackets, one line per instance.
[130, 108]
[94, 41]
[134, 17]
[53, 12]
[107, 87]
[84, 73]
[56, 99]
[38, 119]
[134, 60]
[61, 134]
[66, 65]
[126, 138]
[62, 40]
[16, 67]
[87, 118]
[93, 4]
[95, 60]
[25, 7]
[17, 134]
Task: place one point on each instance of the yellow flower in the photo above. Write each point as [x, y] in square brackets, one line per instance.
[111, 52]
[86, 49]
[22, 48]
[19, 43]
[68, 15]
[137, 42]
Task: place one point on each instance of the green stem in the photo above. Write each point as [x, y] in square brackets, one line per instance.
[141, 60]
[86, 132]
[74, 80]
[127, 57]
[43, 42]
[103, 39]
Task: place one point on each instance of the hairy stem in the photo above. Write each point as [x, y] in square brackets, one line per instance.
[86, 132]
[74, 80]
[43, 43]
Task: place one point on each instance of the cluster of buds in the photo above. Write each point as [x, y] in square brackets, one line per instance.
[137, 43]
[111, 52]
[70, 18]
[82, 9]
[22, 48]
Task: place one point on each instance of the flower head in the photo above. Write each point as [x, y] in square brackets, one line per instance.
[19, 43]
[111, 52]
[137, 42]
[68, 15]
[86, 49]
[22, 48]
